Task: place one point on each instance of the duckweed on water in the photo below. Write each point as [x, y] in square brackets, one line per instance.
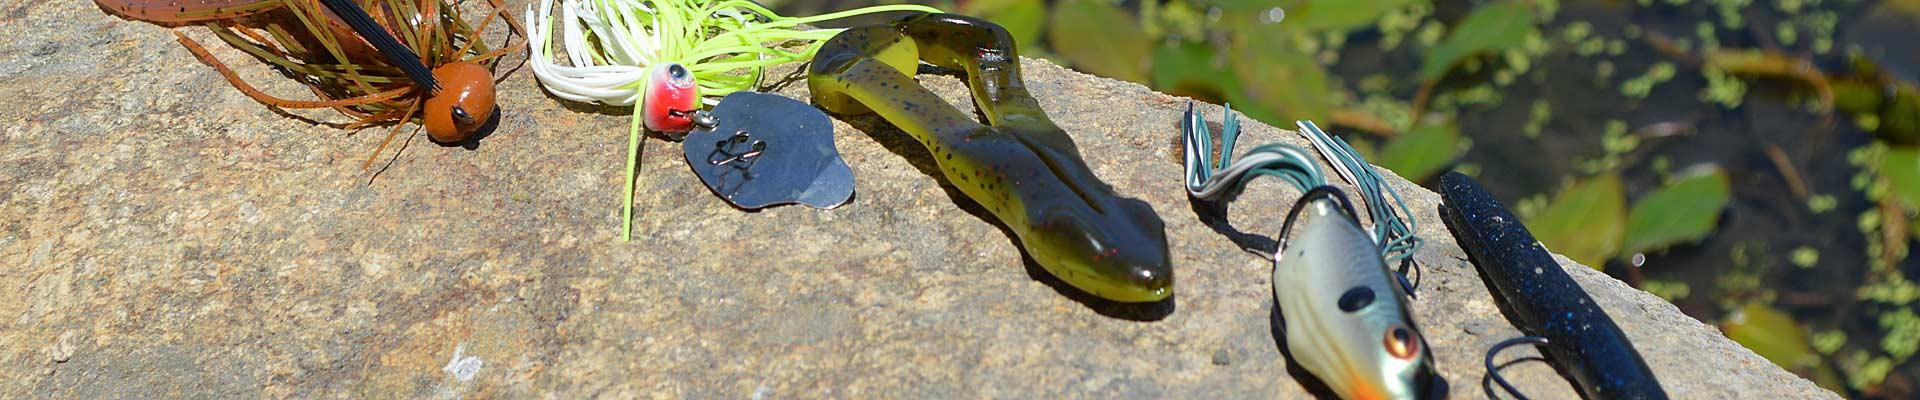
[1828, 342]
[1785, 33]
[1821, 203]
[1669, 290]
[1731, 15]
[1722, 89]
[1805, 256]
[1537, 116]
[1903, 334]
[1709, 40]
[1640, 86]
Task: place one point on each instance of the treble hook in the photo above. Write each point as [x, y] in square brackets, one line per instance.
[1407, 264]
[1493, 372]
[753, 152]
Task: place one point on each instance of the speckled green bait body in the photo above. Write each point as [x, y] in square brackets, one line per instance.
[1021, 167]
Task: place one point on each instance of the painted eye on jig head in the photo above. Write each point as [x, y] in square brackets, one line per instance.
[462, 105]
[670, 99]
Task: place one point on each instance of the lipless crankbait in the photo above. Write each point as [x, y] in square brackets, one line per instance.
[1577, 334]
[1020, 166]
[377, 61]
[1345, 312]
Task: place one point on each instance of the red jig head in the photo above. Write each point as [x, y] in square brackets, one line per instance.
[670, 100]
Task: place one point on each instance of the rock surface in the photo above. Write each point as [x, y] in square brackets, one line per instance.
[162, 235]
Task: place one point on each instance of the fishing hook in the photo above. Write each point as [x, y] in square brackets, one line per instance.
[1494, 373]
[1286, 228]
[1407, 264]
[726, 149]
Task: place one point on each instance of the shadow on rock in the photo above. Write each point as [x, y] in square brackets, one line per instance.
[1214, 215]
[472, 142]
[1144, 312]
[587, 107]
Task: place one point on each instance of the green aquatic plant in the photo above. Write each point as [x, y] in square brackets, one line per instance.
[1685, 210]
[1492, 27]
[1639, 87]
[1585, 222]
[1590, 222]
[611, 46]
[1102, 39]
[1423, 151]
[1774, 335]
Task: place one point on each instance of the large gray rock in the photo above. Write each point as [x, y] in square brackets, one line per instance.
[163, 235]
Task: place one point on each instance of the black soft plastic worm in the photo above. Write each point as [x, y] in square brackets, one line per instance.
[1580, 338]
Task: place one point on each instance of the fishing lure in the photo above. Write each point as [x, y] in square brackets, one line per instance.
[376, 61]
[1345, 313]
[1020, 166]
[667, 58]
[1576, 333]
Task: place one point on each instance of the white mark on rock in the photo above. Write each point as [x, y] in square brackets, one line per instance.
[462, 368]
[249, 213]
[63, 348]
[42, 252]
[762, 392]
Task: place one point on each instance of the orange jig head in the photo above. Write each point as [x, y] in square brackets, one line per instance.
[463, 104]
[670, 99]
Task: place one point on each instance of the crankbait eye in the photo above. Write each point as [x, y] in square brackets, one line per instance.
[1356, 298]
[1402, 343]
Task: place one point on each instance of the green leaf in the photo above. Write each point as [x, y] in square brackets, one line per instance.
[1279, 83]
[1775, 336]
[1585, 221]
[1422, 152]
[1901, 168]
[1099, 38]
[1684, 211]
[1492, 27]
[1321, 15]
[1192, 69]
[1022, 18]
